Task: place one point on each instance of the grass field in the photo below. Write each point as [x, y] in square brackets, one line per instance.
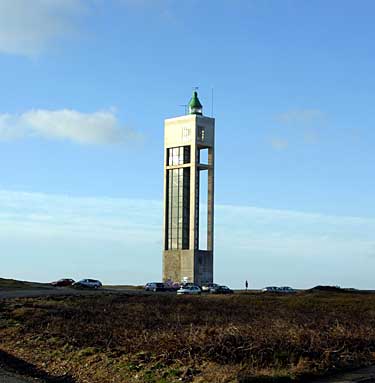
[165, 338]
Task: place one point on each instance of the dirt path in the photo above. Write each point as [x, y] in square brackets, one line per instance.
[363, 375]
[8, 377]
[16, 370]
[42, 292]
[33, 293]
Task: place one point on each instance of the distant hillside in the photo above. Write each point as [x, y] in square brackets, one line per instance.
[14, 284]
[334, 289]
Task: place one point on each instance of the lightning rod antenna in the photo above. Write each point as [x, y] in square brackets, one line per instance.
[185, 106]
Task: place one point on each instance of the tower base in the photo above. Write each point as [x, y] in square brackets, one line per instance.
[194, 265]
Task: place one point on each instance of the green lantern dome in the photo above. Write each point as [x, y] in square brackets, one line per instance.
[195, 107]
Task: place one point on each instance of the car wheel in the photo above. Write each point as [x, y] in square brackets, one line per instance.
[154, 290]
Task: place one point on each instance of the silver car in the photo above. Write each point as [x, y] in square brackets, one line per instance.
[189, 290]
[89, 283]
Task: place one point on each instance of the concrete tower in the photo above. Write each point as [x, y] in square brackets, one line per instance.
[188, 150]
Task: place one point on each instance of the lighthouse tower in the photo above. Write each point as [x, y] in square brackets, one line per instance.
[189, 143]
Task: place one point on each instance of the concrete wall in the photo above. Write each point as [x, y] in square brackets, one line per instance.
[196, 265]
[203, 267]
[178, 264]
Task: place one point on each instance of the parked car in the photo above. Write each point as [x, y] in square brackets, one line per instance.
[174, 287]
[207, 286]
[189, 290]
[286, 289]
[270, 289]
[89, 283]
[283, 289]
[171, 286]
[221, 290]
[63, 282]
[187, 284]
[155, 286]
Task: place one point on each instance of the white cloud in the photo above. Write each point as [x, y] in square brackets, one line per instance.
[119, 240]
[100, 127]
[301, 116]
[143, 3]
[27, 27]
[298, 125]
[10, 128]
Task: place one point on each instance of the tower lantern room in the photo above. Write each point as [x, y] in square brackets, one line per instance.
[195, 107]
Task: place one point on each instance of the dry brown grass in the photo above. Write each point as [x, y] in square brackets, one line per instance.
[165, 338]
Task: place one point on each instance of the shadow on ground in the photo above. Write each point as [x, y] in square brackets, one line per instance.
[19, 366]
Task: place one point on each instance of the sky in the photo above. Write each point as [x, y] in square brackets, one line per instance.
[86, 86]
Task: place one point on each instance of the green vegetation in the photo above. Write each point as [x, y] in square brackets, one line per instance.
[165, 338]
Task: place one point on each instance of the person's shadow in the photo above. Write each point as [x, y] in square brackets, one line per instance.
[11, 363]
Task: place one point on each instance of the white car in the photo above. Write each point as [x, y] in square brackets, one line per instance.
[90, 283]
[189, 290]
[274, 289]
[208, 286]
[269, 289]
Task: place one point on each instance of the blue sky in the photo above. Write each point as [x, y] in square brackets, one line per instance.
[86, 86]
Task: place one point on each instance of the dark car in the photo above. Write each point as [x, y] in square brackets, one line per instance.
[88, 283]
[208, 286]
[63, 282]
[155, 286]
[171, 286]
[221, 290]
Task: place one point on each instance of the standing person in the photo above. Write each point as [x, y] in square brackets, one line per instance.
[246, 284]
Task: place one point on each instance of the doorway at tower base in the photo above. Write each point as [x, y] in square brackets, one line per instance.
[195, 265]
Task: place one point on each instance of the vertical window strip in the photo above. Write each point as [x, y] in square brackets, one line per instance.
[179, 155]
[178, 199]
